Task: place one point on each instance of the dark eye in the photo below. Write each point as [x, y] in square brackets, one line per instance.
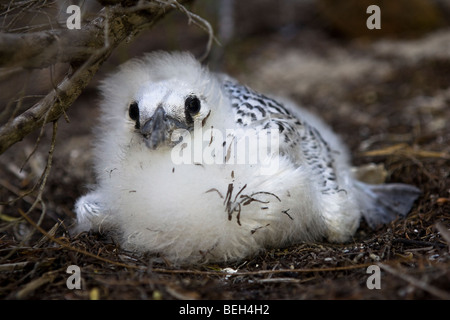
[192, 105]
[133, 111]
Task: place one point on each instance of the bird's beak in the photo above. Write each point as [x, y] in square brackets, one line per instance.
[155, 130]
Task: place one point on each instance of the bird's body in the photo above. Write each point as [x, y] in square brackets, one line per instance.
[173, 177]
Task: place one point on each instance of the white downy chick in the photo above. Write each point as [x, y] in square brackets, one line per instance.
[195, 167]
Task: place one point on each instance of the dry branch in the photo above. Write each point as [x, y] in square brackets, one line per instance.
[402, 149]
[416, 282]
[85, 49]
[45, 48]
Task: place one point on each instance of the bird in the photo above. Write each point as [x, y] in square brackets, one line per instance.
[193, 167]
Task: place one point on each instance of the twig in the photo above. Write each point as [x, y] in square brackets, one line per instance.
[404, 149]
[445, 233]
[31, 286]
[285, 280]
[20, 195]
[418, 242]
[416, 282]
[66, 246]
[200, 22]
[13, 266]
[42, 182]
[262, 272]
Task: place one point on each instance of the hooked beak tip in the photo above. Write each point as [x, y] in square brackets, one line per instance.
[154, 130]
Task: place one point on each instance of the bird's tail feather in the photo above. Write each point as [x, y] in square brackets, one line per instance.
[382, 203]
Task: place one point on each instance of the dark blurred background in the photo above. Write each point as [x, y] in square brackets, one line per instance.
[371, 86]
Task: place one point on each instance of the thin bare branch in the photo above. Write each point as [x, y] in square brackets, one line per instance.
[86, 62]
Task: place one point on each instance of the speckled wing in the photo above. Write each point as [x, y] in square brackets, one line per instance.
[298, 140]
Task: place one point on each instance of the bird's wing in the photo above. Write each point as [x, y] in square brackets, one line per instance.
[298, 140]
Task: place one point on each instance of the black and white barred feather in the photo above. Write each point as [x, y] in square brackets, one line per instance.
[298, 140]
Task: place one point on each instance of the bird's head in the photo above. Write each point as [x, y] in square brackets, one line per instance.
[159, 108]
